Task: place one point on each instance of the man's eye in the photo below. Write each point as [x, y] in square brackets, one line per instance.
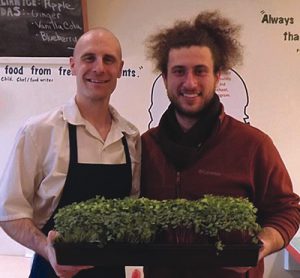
[108, 60]
[88, 58]
[200, 71]
[178, 71]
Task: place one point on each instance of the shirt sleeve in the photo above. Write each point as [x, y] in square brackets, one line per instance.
[18, 179]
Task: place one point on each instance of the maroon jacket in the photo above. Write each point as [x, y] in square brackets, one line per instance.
[236, 160]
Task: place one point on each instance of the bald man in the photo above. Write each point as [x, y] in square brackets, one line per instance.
[77, 151]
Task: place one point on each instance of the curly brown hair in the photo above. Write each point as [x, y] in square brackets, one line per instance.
[208, 29]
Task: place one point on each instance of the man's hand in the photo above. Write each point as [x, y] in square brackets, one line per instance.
[63, 271]
[272, 241]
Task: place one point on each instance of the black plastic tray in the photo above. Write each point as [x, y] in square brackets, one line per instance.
[156, 254]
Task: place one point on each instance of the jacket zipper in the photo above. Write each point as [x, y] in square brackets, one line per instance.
[178, 178]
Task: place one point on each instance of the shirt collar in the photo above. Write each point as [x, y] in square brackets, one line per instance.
[72, 115]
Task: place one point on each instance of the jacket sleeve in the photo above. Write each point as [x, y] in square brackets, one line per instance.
[278, 206]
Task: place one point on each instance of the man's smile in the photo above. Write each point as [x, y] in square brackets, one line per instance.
[189, 95]
[96, 81]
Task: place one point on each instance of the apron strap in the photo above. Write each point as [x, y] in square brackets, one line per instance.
[73, 143]
[126, 149]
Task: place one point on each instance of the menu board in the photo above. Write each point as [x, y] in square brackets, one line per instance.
[40, 28]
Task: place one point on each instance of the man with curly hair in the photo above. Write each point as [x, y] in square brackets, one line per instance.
[198, 149]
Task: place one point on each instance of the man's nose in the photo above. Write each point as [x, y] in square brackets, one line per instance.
[190, 81]
[99, 65]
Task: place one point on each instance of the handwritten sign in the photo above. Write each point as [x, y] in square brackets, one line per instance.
[40, 28]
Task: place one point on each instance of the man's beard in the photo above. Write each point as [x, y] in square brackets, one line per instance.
[185, 113]
[190, 114]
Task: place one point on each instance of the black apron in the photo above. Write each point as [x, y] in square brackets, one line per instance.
[85, 181]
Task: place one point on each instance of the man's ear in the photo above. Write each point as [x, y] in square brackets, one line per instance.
[72, 65]
[121, 68]
[218, 76]
[164, 76]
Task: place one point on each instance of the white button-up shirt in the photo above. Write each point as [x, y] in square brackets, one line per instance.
[36, 171]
